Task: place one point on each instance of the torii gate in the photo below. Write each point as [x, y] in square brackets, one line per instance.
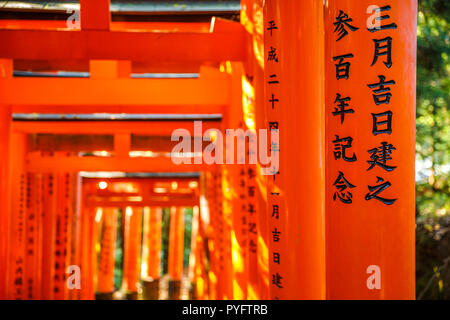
[321, 226]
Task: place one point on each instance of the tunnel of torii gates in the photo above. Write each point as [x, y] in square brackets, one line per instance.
[334, 80]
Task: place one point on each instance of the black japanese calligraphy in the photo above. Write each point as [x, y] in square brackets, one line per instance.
[343, 21]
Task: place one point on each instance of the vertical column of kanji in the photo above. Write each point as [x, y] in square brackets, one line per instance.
[247, 185]
[252, 233]
[132, 245]
[17, 239]
[108, 230]
[48, 240]
[76, 249]
[37, 210]
[294, 79]
[6, 71]
[32, 238]
[68, 226]
[272, 75]
[61, 236]
[370, 110]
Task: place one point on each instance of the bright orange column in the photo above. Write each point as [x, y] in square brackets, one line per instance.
[33, 246]
[6, 68]
[176, 243]
[225, 214]
[294, 80]
[62, 234]
[239, 235]
[209, 191]
[105, 276]
[48, 235]
[76, 257]
[95, 15]
[132, 248]
[370, 110]
[260, 180]
[152, 243]
[17, 240]
[197, 259]
[254, 119]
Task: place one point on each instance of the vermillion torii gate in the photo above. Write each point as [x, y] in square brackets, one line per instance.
[322, 225]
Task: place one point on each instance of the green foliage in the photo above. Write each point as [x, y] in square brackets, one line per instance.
[187, 236]
[118, 265]
[433, 121]
[433, 150]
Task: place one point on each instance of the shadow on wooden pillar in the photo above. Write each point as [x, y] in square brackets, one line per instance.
[150, 289]
[174, 289]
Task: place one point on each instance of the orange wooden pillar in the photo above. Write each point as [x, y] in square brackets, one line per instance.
[48, 239]
[252, 219]
[260, 182]
[76, 256]
[254, 119]
[86, 240]
[152, 243]
[176, 248]
[33, 245]
[17, 239]
[107, 218]
[209, 192]
[176, 243]
[294, 79]
[151, 252]
[6, 70]
[239, 234]
[132, 250]
[224, 219]
[62, 234]
[370, 110]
